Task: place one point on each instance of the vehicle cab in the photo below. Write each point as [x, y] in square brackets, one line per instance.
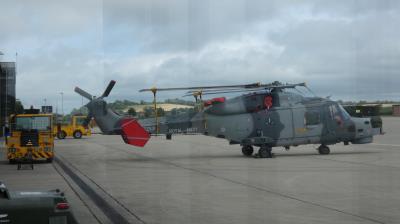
[31, 137]
[76, 128]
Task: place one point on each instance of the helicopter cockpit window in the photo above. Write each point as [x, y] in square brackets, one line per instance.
[312, 118]
[346, 116]
[333, 112]
[338, 114]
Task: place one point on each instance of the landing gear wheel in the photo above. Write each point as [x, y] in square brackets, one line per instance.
[61, 135]
[265, 152]
[324, 150]
[247, 150]
[77, 134]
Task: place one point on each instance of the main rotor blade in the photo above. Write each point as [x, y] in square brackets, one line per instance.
[238, 90]
[213, 90]
[109, 88]
[252, 85]
[83, 93]
[222, 91]
[281, 86]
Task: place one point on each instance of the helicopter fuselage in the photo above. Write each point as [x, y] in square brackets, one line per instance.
[273, 119]
[265, 119]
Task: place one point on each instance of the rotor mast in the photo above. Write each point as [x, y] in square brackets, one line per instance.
[154, 91]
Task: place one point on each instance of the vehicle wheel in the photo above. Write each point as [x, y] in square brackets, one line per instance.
[247, 150]
[324, 150]
[61, 135]
[49, 160]
[169, 136]
[77, 134]
[265, 152]
[11, 161]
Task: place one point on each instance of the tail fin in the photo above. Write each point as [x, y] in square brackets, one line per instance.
[133, 133]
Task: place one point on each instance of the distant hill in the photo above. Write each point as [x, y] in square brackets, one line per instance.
[164, 106]
[122, 106]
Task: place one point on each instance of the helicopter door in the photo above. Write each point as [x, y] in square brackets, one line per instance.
[307, 124]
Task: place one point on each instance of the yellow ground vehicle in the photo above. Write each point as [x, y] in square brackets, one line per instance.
[30, 137]
[75, 129]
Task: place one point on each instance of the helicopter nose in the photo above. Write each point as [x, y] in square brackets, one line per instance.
[363, 130]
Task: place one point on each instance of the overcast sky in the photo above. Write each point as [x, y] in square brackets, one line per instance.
[348, 49]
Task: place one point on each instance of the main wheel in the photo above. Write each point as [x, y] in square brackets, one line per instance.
[247, 150]
[61, 134]
[265, 152]
[77, 134]
[324, 150]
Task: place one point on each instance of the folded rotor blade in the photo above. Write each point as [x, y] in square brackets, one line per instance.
[252, 85]
[226, 90]
[109, 88]
[83, 93]
[238, 90]
[281, 86]
[222, 92]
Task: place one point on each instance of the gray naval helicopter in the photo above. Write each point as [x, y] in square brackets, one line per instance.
[264, 116]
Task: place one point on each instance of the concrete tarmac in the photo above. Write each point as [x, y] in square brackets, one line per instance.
[199, 179]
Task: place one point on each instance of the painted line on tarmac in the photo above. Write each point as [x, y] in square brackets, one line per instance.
[380, 144]
[113, 215]
[62, 174]
[108, 194]
[262, 189]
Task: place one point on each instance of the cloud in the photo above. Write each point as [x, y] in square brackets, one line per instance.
[348, 49]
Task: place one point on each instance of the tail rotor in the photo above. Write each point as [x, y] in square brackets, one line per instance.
[83, 93]
[108, 89]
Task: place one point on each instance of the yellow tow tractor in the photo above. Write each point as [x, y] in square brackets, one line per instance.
[75, 128]
[30, 138]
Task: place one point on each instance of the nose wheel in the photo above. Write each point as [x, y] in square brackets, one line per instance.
[324, 150]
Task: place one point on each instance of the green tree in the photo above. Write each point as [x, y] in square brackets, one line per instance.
[132, 112]
[148, 112]
[160, 112]
[19, 108]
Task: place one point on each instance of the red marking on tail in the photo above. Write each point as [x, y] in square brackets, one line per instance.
[133, 133]
[214, 101]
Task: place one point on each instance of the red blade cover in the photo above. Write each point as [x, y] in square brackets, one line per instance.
[133, 133]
